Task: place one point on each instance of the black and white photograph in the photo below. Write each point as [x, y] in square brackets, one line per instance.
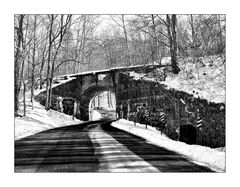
[119, 93]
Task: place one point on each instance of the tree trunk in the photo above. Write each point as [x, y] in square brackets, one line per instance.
[111, 104]
[62, 33]
[47, 103]
[24, 99]
[126, 41]
[17, 62]
[76, 69]
[155, 45]
[220, 34]
[171, 27]
[174, 56]
[28, 67]
[32, 86]
[98, 100]
[41, 77]
[193, 32]
[42, 66]
[33, 59]
[82, 44]
[24, 49]
[194, 44]
[21, 75]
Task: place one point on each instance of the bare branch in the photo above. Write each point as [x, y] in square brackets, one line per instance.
[116, 22]
[69, 60]
[165, 23]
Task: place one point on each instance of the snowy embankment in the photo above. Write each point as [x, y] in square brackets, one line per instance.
[203, 78]
[38, 119]
[201, 155]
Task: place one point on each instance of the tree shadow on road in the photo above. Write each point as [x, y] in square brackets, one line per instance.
[64, 149]
[164, 160]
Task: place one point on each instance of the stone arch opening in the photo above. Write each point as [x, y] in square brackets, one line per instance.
[89, 101]
[188, 134]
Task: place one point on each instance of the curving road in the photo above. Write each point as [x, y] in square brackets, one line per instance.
[95, 147]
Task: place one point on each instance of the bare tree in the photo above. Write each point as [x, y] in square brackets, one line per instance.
[52, 38]
[155, 46]
[33, 58]
[42, 50]
[25, 52]
[204, 35]
[154, 29]
[193, 31]
[17, 57]
[42, 64]
[120, 21]
[79, 45]
[47, 103]
[63, 29]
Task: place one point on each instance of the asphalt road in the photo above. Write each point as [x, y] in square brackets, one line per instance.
[95, 147]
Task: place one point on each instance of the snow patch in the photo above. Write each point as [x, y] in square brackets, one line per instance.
[60, 82]
[96, 115]
[212, 158]
[38, 119]
[204, 78]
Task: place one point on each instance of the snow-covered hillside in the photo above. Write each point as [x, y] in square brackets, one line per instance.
[202, 155]
[202, 77]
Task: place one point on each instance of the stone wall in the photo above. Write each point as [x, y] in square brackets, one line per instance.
[179, 107]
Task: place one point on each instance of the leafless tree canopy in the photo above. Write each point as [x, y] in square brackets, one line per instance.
[51, 45]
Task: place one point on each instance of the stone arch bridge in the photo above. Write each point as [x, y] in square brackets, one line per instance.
[180, 108]
[82, 87]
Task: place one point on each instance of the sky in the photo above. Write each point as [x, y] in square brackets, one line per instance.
[106, 21]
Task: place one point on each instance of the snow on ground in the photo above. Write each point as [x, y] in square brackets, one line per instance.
[39, 119]
[60, 82]
[204, 78]
[96, 115]
[201, 155]
[137, 76]
[221, 149]
[164, 61]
